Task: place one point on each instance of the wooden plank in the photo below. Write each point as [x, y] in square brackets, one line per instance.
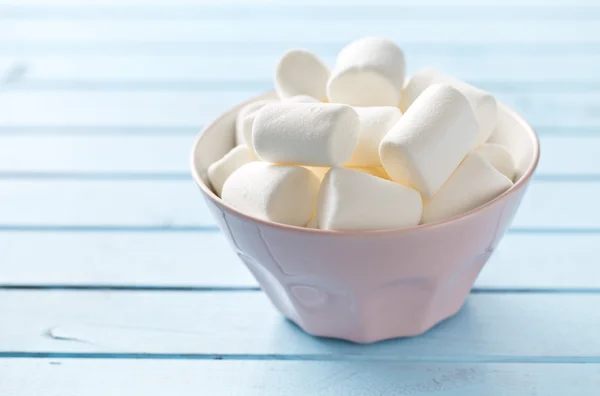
[535, 261]
[411, 30]
[295, 12]
[206, 67]
[433, 3]
[491, 327]
[558, 262]
[104, 203]
[155, 154]
[164, 204]
[181, 108]
[116, 108]
[143, 259]
[564, 155]
[258, 10]
[58, 377]
[165, 48]
[119, 154]
[192, 68]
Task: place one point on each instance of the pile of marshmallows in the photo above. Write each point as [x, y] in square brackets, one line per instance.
[358, 149]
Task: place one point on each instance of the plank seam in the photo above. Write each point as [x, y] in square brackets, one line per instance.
[233, 289]
[214, 228]
[348, 12]
[175, 48]
[306, 357]
[108, 287]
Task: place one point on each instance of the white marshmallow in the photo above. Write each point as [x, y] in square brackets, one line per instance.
[375, 122]
[313, 223]
[319, 171]
[474, 183]
[374, 171]
[352, 200]
[300, 72]
[368, 72]
[482, 102]
[301, 99]
[313, 134]
[430, 140]
[282, 194]
[220, 170]
[245, 119]
[499, 157]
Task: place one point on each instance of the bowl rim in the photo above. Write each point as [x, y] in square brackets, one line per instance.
[522, 182]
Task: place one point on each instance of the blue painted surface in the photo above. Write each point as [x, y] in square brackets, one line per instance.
[100, 226]
[262, 48]
[310, 13]
[287, 378]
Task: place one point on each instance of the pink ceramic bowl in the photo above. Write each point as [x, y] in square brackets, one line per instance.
[368, 286]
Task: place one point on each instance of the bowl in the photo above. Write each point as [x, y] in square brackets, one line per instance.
[371, 285]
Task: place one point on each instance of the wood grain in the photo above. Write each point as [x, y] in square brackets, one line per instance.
[541, 4]
[58, 377]
[411, 31]
[491, 327]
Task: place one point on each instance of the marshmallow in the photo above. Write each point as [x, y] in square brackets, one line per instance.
[245, 119]
[301, 99]
[368, 72]
[220, 170]
[374, 171]
[499, 157]
[283, 194]
[352, 200]
[319, 171]
[430, 140]
[300, 72]
[375, 122]
[474, 183]
[313, 134]
[483, 103]
[313, 223]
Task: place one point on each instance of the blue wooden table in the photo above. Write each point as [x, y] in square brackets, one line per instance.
[115, 280]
